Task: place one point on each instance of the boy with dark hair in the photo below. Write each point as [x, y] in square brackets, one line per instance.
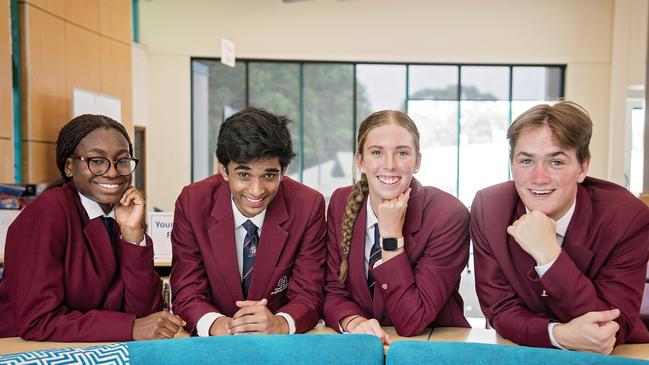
[560, 257]
[249, 243]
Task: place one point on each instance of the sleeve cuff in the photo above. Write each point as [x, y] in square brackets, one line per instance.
[542, 269]
[205, 322]
[552, 339]
[142, 243]
[289, 320]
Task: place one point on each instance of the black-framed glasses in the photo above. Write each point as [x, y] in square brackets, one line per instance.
[98, 166]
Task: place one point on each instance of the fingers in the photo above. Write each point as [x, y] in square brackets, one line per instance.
[174, 318]
[249, 324]
[387, 340]
[378, 331]
[510, 230]
[258, 307]
[373, 327]
[602, 316]
[248, 303]
[131, 196]
[405, 195]
[610, 328]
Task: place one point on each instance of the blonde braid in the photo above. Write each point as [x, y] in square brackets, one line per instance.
[353, 206]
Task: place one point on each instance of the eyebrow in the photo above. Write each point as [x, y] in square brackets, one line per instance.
[98, 150]
[247, 168]
[553, 154]
[397, 147]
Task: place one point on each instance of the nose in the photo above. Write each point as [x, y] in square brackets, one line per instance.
[112, 170]
[256, 187]
[390, 162]
[540, 175]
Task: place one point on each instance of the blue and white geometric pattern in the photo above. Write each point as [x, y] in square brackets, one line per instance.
[113, 354]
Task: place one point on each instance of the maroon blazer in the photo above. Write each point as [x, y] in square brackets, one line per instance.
[289, 267]
[64, 281]
[602, 264]
[417, 289]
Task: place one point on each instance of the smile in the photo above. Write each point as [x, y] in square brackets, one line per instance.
[389, 180]
[254, 201]
[541, 192]
[109, 186]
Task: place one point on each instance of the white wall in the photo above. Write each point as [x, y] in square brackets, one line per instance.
[628, 66]
[579, 33]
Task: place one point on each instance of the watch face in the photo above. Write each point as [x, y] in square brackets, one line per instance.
[390, 244]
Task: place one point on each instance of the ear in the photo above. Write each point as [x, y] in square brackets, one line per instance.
[583, 170]
[68, 167]
[224, 172]
[283, 171]
[359, 161]
[418, 162]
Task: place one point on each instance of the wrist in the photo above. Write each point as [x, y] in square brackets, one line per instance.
[352, 323]
[281, 325]
[558, 332]
[132, 234]
[219, 326]
[547, 257]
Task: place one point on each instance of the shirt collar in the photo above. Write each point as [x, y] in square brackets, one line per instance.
[93, 209]
[371, 217]
[239, 218]
[562, 223]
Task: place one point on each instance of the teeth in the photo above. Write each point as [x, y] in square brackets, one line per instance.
[109, 186]
[389, 179]
[542, 192]
[254, 200]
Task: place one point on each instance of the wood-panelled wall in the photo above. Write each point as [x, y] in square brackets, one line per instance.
[6, 117]
[67, 44]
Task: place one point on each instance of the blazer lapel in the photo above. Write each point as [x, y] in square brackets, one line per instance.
[223, 242]
[101, 248]
[578, 240]
[271, 243]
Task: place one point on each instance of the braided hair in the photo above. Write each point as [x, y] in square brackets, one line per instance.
[361, 189]
[74, 131]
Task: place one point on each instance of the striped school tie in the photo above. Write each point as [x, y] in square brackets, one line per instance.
[375, 255]
[250, 243]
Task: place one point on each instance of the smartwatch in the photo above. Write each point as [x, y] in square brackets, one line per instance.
[391, 243]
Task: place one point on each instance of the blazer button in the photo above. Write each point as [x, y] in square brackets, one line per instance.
[384, 286]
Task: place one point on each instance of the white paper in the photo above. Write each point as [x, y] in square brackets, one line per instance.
[227, 52]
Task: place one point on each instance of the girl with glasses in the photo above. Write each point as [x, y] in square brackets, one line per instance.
[78, 265]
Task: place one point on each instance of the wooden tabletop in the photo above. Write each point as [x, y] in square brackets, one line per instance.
[476, 335]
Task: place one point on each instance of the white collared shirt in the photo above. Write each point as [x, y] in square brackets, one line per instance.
[205, 322]
[93, 210]
[369, 237]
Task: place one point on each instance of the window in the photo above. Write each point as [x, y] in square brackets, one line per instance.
[462, 112]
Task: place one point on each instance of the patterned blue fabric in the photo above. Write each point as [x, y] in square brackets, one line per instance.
[113, 354]
[454, 353]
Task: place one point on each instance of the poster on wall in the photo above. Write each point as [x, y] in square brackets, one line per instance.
[90, 102]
